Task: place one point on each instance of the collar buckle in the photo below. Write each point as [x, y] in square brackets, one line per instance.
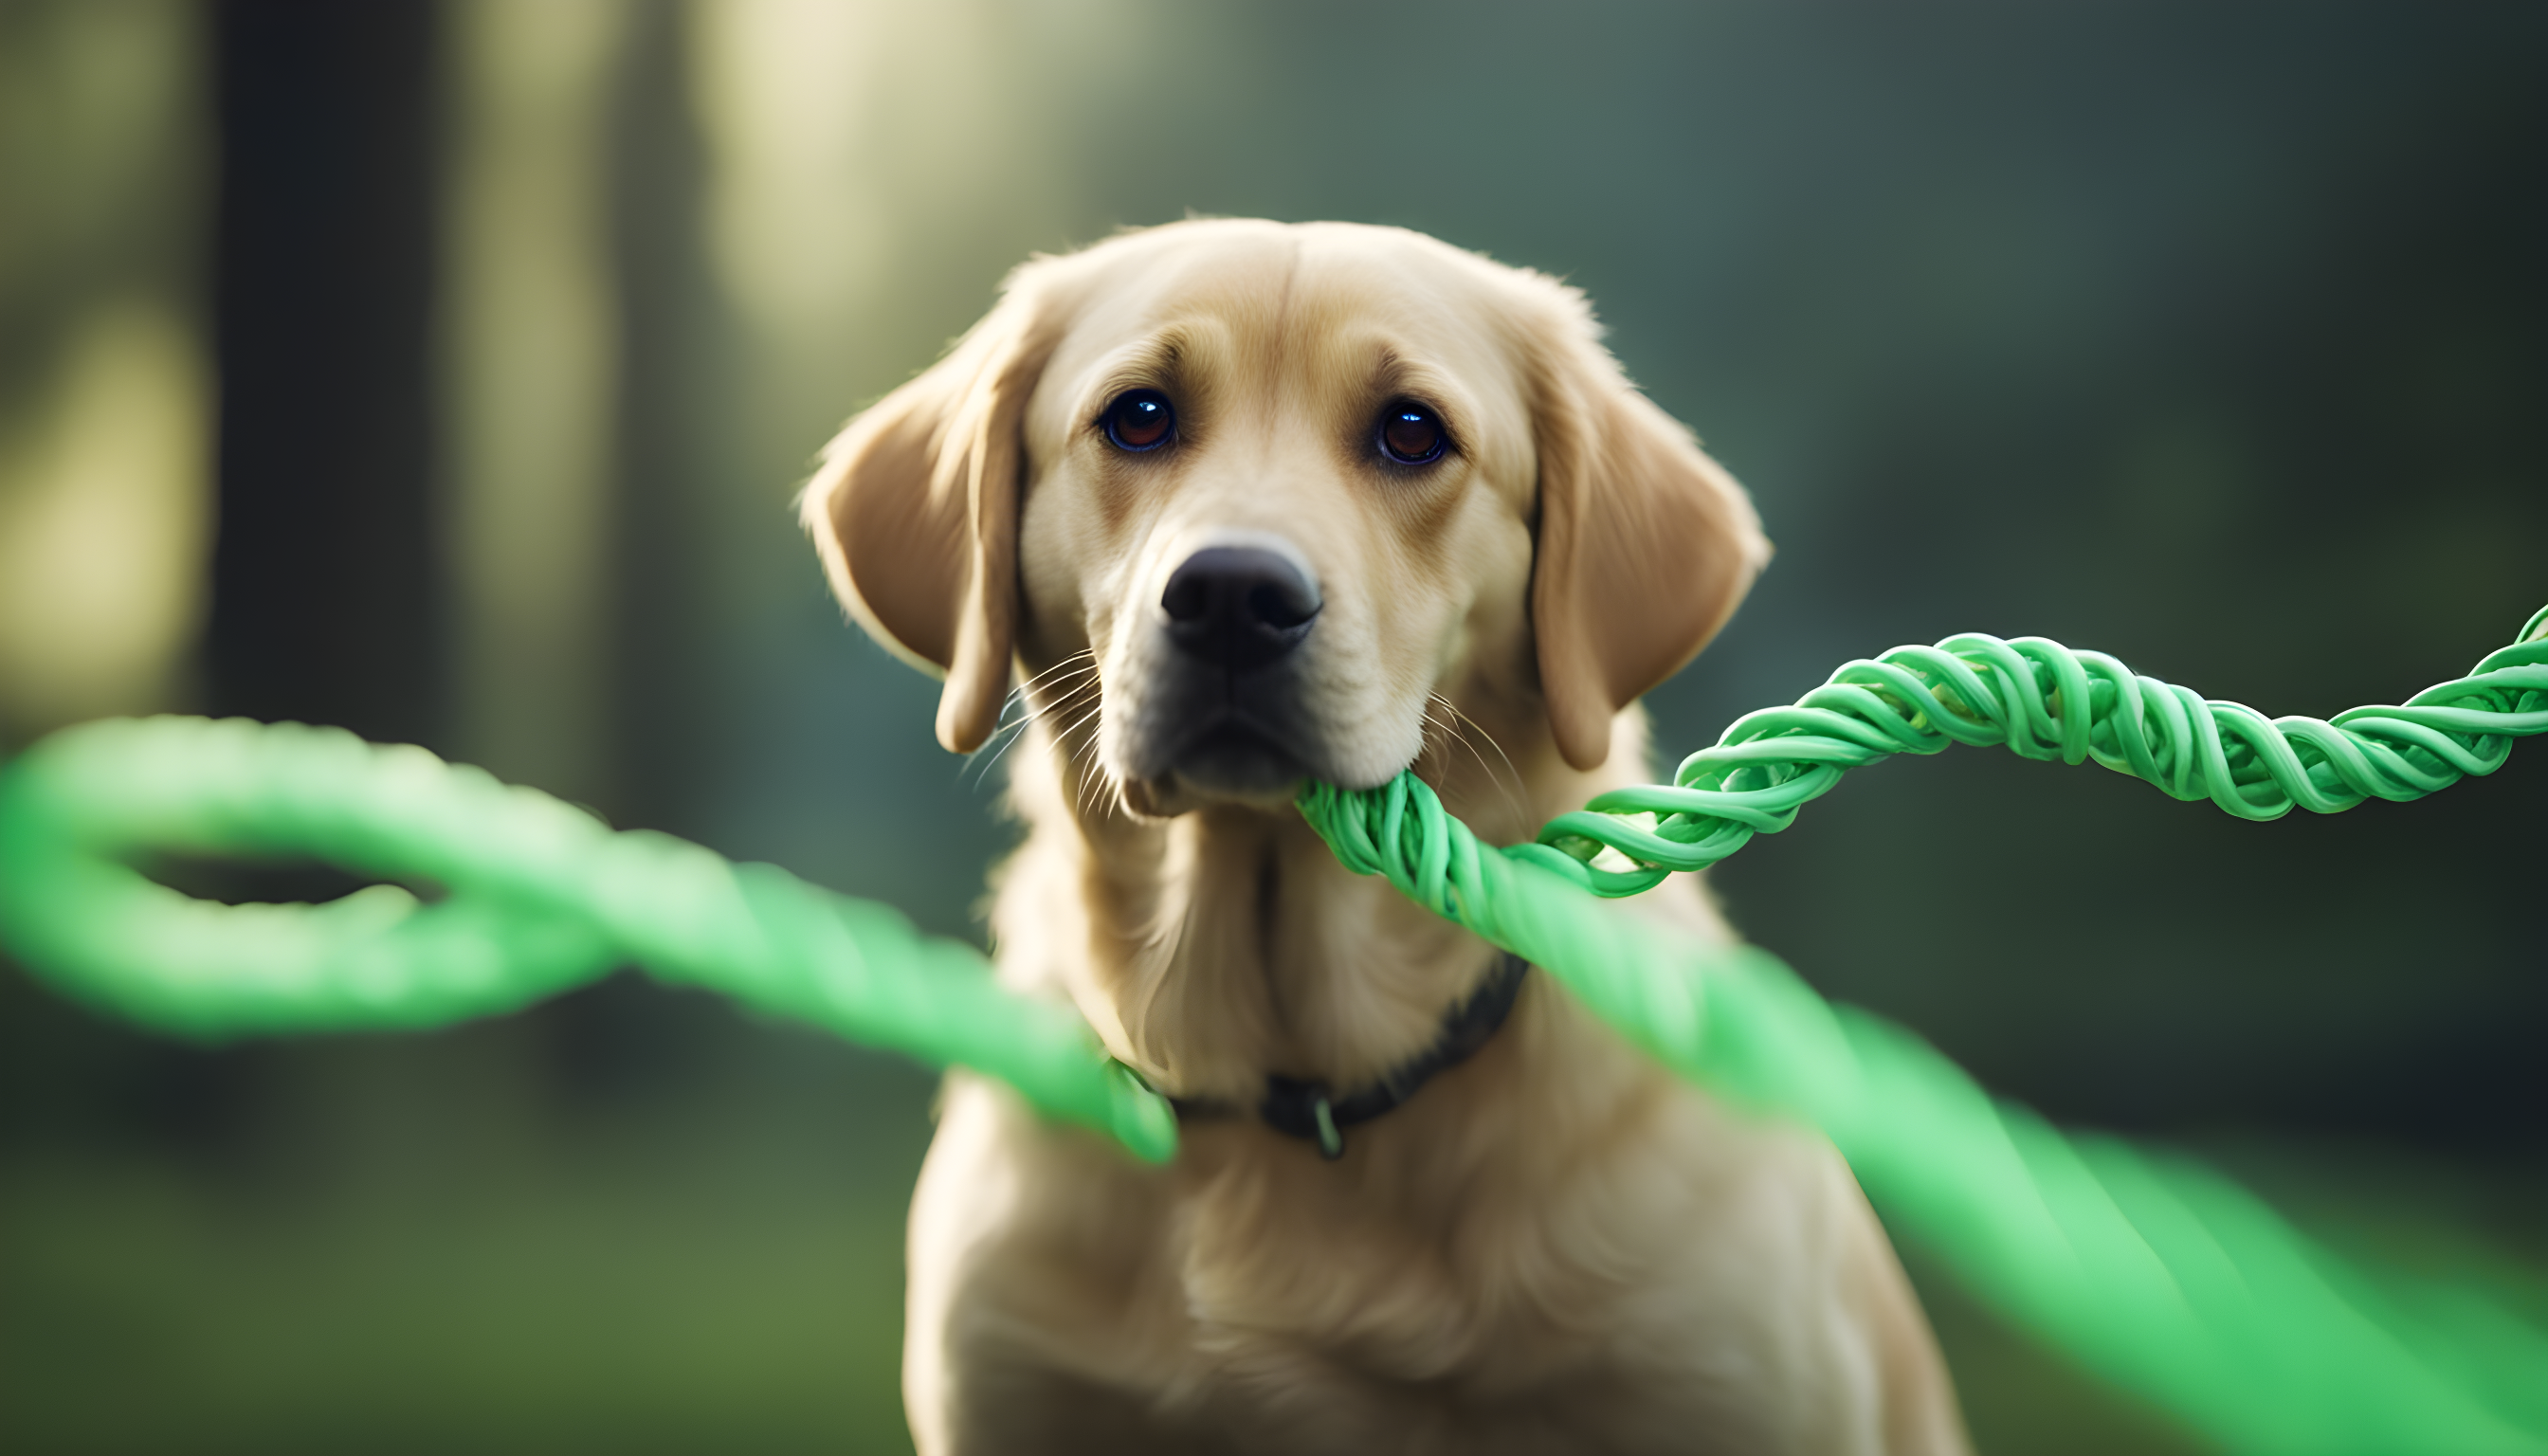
[1331, 1144]
[1303, 1110]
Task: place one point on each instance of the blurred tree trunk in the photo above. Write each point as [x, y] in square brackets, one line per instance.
[326, 591]
[671, 690]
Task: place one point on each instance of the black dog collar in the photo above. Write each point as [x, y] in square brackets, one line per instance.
[1310, 1110]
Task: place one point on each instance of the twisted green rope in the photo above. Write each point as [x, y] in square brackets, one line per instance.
[2153, 1271]
[2156, 1273]
[539, 897]
[1976, 689]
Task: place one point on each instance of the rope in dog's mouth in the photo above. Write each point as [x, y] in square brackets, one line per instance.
[2149, 1269]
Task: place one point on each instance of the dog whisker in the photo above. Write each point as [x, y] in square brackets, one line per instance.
[1062, 683]
[1085, 654]
[1017, 710]
[1021, 699]
[1437, 733]
[1060, 689]
[1091, 776]
[992, 761]
[1081, 760]
[1512, 794]
[1098, 789]
[1087, 718]
[1064, 688]
[1067, 701]
[1441, 733]
[1005, 736]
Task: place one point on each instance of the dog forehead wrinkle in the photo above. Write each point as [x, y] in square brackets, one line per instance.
[1283, 307]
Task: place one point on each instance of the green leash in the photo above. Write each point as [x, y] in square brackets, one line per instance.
[2150, 1270]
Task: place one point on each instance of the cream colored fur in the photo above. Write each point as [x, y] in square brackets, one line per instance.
[1553, 1246]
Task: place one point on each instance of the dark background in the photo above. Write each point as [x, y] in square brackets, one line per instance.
[2207, 337]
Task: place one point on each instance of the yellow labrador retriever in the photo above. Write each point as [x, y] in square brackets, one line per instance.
[1248, 504]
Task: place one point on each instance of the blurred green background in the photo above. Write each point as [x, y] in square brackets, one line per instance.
[442, 368]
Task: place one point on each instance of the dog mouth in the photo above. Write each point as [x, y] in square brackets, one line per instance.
[1225, 754]
[1234, 756]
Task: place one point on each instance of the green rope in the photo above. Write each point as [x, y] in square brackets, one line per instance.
[2153, 1271]
[1975, 689]
[539, 897]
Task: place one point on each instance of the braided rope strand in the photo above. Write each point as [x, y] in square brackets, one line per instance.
[2154, 1272]
[541, 897]
[1975, 689]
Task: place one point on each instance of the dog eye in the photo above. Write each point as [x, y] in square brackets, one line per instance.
[1140, 420]
[1409, 434]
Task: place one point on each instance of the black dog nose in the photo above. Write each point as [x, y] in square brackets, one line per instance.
[1239, 606]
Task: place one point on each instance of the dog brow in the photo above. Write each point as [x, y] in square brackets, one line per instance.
[1162, 361]
[1393, 375]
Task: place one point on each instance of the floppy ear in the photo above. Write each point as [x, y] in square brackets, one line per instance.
[915, 511]
[1645, 545]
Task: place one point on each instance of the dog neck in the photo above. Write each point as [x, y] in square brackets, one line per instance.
[1223, 946]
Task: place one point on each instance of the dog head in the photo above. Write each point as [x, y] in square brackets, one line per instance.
[1245, 498]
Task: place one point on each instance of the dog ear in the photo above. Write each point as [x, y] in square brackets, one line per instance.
[1645, 545]
[915, 511]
